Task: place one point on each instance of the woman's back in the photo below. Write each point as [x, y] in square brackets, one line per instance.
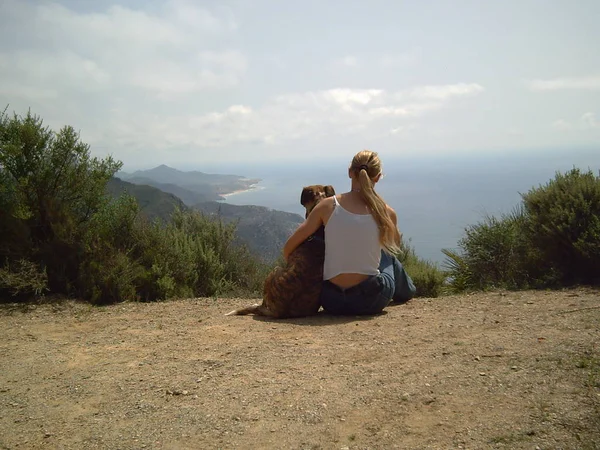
[352, 247]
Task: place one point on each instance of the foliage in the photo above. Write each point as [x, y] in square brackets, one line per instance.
[194, 255]
[552, 239]
[495, 254]
[427, 277]
[564, 225]
[23, 278]
[60, 231]
[51, 188]
[153, 203]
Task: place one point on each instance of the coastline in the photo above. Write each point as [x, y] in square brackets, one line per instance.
[252, 187]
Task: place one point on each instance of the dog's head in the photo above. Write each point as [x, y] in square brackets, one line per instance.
[311, 195]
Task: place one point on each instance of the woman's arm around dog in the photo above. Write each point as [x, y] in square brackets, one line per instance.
[317, 217]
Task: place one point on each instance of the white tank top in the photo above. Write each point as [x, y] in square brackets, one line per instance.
[351, 243]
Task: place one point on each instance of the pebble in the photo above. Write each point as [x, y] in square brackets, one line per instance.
[483, 374]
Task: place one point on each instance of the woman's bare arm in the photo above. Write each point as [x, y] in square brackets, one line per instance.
[394, 217]
[305, 230]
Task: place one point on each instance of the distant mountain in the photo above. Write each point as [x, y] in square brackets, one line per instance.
[192, 187]
[188, 197]
[153, 202]
[264, 230]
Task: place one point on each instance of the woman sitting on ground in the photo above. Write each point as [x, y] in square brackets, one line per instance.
[361, 234]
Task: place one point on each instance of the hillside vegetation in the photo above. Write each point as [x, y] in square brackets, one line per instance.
[263, 230]
[552, 239]
[153, 203]
[68, 226]
[62, 233]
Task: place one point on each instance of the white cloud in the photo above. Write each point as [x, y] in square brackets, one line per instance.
[289, 117]
[444, 92]
[399, 60]
[166, 53]
[515, 131]
[402, 129]
[562, 125]
[591, 83]
[347, 61]
[587, 121]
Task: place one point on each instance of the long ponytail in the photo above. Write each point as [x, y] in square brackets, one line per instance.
[367, 166]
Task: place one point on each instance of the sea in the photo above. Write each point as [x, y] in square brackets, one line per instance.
[435, 198]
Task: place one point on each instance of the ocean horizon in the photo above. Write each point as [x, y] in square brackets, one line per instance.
[435, 199]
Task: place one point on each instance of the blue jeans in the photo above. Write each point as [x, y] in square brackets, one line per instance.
[373, 294]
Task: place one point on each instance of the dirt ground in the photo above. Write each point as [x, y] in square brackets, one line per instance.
[513, 370]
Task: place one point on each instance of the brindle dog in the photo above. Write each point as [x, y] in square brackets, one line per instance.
[294, 290]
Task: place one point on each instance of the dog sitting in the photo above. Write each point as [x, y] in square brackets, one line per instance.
[294, 290]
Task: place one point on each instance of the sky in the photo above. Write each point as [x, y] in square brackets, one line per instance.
[192, 83]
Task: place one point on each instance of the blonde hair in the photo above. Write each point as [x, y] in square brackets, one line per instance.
[366, 166]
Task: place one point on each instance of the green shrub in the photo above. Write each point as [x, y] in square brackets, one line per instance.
[50, 189]
[23, 278]
[427, 277]
[107, 273]
[494, 253]
[59, 230]
[195, 255]
[564, 225]
[551, 240]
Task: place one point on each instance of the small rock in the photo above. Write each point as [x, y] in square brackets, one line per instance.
[47, 434]
[514, 368]
[177, 392]
[483, 374]
[477, 358]
[428, 400]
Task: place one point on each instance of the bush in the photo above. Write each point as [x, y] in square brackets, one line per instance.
[564, 225]
[195, 255]
[50, 189]
[23, 278]
[427, 277]
[551, 240]
[59, 231]
[495, 253]
[107, 272]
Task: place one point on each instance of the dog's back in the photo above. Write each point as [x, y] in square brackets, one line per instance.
[294, 290]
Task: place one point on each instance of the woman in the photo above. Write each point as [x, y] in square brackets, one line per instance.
[361, 234]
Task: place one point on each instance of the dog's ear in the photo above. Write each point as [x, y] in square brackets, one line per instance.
[308, 195]
[329, 191]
